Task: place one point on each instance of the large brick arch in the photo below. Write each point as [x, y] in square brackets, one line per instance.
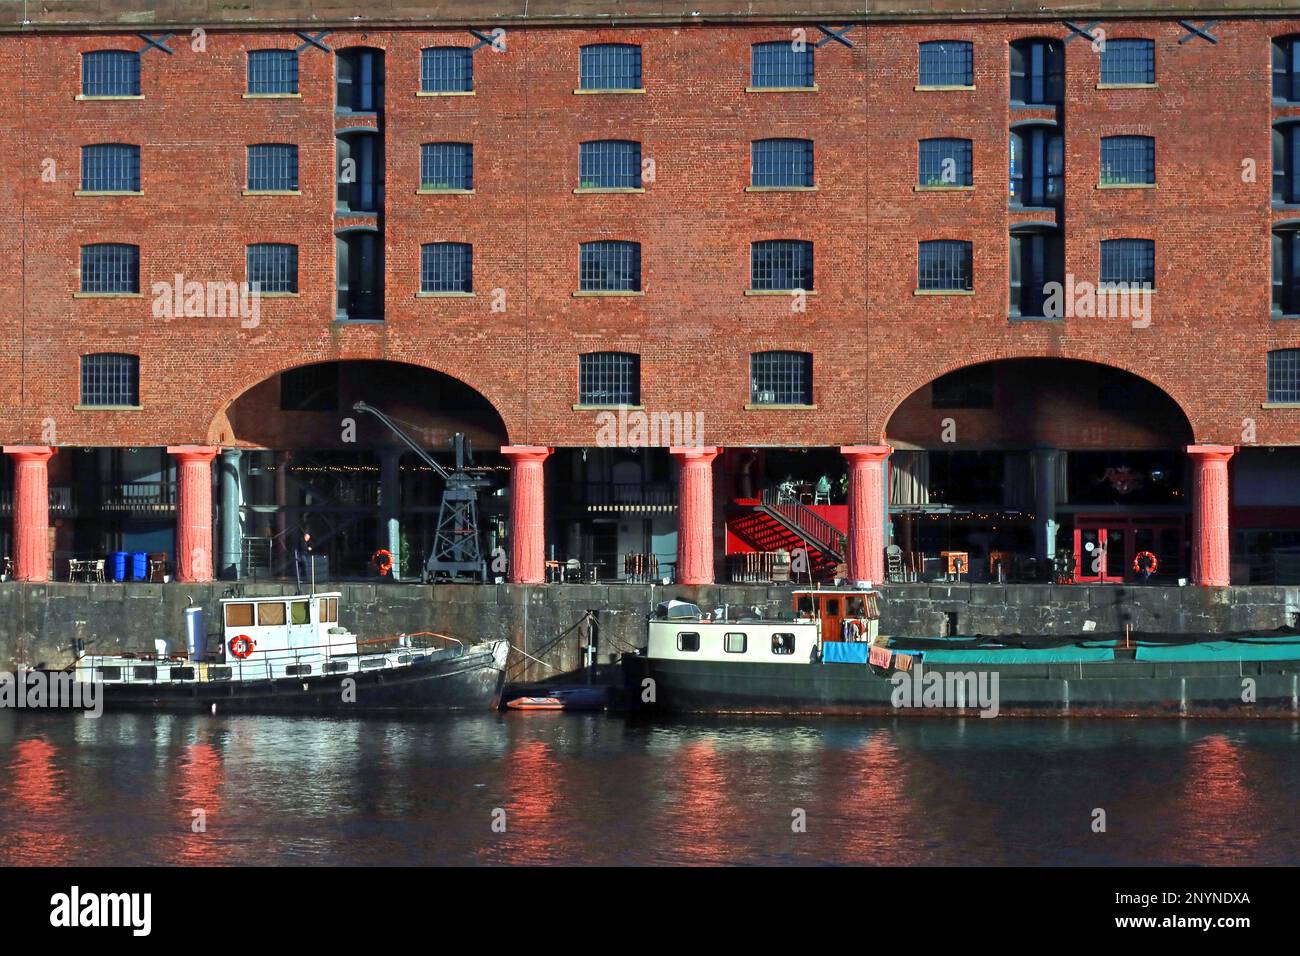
[220, 430]
[922, 377]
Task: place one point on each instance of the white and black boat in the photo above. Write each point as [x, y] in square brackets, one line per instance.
[828, 657]
[290, 655]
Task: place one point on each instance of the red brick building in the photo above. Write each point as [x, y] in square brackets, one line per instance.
[819, 242]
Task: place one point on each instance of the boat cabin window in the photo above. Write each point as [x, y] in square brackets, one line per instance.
[856, 606]
[239, 615]
[734, 642]
[300, 612]
[688, 641]
[805, 605]
[329, 610]
[782, 643]
[833, 607]
[270, 614]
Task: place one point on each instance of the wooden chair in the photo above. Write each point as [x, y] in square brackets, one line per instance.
[894, 563]
[157, 567]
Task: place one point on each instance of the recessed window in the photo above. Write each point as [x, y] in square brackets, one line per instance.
[778, 65]
[359, 276]
[1286, 69]
[609, 164]
[110, 73]
[1128, 62]
[273, 267]
[1284, 375]
[110, 167]
[780, 378]
[781, 162]
[273, 72]
[944, 162]
[1037, 72]
[1286, 270]
[110, 268]
[447, 267]
[1129, 262]
[781, 265]
[1037, 166]
[611, 266]
[688, 641]
[735, 642]
[1037, 260]
[1128, 160]
[610, 66]
[970, 387]
[273, 167]
[1286, 163]
[947, 63]
[447, 166]
[360, 162]
[312, 388]
[110, 379]
[944, 265]
[783, 644]
[609, 378]
[359, 73]
[446, 69]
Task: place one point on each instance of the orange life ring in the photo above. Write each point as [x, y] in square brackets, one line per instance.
[383, 560]
[242, 646]
[1137, 563]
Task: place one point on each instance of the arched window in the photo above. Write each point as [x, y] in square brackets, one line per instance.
[1284, 375]
[110, 268]
[447, 166]
[781, 265]
[273, 167]
[1128, 62]
[1037, 165]
[447, 267]
[1037, 261]
[946, 63]
[272, 72]
[273, 266]
[1286, 69]
[944, 163]
[110, 168]
[780, 378]
[1286, 162]
[1128, 160]
[609, 378]
[1128, 262]
[1037, 71]
[1286, 268]
[110, 379]
[778, 65]
[359, 80]
[446, 69]
[609, 266]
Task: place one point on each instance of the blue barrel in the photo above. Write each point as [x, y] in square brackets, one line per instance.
[118, 561]
[139, 565]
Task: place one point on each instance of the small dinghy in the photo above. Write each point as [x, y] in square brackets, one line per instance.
[561, 698]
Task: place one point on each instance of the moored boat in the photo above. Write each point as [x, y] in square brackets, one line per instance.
[829, 658]
[290, 655]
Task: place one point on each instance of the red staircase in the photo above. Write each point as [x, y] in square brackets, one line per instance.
[769, 526]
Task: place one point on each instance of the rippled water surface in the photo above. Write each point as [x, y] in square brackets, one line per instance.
[593, 788]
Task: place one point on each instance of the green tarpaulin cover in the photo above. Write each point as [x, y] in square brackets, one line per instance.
[1256, 649]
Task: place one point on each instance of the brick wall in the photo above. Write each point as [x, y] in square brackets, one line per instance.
[873, 341]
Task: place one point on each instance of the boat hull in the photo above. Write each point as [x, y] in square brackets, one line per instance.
[445, 681]
[1110, 689]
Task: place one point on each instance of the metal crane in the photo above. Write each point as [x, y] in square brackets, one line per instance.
[456, 547]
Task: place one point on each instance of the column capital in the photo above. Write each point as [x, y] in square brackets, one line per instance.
[232, 452]
[30, 452]
[526, 452]
[866, 452]
[201, 453]
[704, 453]
[1211, 452]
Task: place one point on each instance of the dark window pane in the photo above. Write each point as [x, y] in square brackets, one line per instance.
[1128, 160]
[779, 64]
[609, 164]
[110, 379]
[110, 73]
[609, 378]
[110, 267]
[272, 166]
[1128, 61]
[1130, 261]
[609, 267]
[272, 71]
[446, 69]
[110, 167]
[780, 378]
[446, 267]
[610, 66]
[782, 162]
[781, 265]
[273, 267]
[944, 162]
[1284, 375]
[944, 265]
[947, 63]
[447, 166]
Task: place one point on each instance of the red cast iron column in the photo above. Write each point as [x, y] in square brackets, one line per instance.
[1210, 564]
[193, 511]
[31, 511]
[527, 514]
[866, 548]
[694, 513]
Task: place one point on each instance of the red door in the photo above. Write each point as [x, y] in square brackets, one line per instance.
[1105, 548]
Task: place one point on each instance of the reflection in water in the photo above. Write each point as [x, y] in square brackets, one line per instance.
[593, 789]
